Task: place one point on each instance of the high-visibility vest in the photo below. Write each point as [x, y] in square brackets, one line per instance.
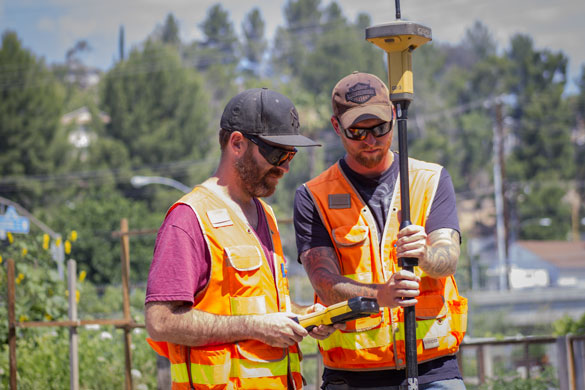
[241, 283]
[377, 342]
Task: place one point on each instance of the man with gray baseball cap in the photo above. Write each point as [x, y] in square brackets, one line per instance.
[217, 298]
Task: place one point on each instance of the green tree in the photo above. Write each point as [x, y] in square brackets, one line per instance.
[542, 159]
[31, 101]
[95, 214]
[220, 44]
[579, 112]
[254, 44]
[158, 108]
[339, 50]
[297, 38]
[479, 40]
[170, 31]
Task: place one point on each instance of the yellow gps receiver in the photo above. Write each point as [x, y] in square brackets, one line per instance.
[399, 39]
[354, 308]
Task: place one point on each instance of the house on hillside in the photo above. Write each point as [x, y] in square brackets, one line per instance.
[563, 262]
[531, 264]
[80, 135]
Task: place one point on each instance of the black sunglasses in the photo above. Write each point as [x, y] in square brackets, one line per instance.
[273, 154]
[360, 133]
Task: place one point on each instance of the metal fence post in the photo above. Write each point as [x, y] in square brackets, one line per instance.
[125, 249]
[11, 323]
[73, 337]
[163, 373]
[562, 370]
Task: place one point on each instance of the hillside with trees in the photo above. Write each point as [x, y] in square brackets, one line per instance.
[161, 105]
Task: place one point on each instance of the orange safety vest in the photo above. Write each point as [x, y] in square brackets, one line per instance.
[241, 283]
[377, 342]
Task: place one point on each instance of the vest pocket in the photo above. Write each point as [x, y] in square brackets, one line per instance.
[259, 352]
[431, 307]
[363, 324]
[244, 277]
[243, 257]
[433, 325]
[350, 235]
[248, 305]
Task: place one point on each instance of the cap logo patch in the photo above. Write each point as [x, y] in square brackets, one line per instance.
[360, 93]
[294, 117]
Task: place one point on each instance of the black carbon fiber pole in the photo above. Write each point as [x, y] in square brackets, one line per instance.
[399, 39]
[406, 263]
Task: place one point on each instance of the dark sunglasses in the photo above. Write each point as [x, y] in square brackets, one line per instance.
[360, 133]
[273, 154]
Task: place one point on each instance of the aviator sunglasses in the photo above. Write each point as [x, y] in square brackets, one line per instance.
[273, 154]
[360, 133]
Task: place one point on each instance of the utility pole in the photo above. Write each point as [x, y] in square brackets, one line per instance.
[499, 174]
[121, 43]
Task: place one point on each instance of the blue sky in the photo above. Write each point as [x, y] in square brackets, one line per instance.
[50, 27]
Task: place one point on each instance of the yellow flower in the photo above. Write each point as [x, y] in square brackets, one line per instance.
[0, 259]
[77, 296]
[73, 235]
[10, 237]
[46, 240]
[58, 242]
[67, 247]
[82, 276]
[48, 317]
[22, 318]
[24, 251]
[19, 278]
[66, 293]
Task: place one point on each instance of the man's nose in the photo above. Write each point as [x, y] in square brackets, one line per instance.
[370, 139]
[286, 166]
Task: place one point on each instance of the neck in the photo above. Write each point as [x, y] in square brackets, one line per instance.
[231, 193]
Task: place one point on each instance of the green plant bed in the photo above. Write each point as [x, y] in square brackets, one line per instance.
[43, 360]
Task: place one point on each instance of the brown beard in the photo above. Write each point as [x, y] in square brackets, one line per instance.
[255, 183]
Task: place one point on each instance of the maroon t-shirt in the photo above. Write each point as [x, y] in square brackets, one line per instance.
[181, 262]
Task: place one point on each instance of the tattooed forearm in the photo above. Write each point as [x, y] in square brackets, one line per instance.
[442, 253]
[322, 267]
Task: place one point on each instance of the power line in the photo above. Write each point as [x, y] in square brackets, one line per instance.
[174, 168]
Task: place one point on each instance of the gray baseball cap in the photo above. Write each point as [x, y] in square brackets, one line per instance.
[266, 114]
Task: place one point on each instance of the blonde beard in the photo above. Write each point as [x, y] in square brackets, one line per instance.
[372, 161]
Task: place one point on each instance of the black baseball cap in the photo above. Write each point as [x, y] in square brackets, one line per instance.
[266, 114]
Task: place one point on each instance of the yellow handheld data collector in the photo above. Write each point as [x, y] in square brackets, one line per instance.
[354, 308]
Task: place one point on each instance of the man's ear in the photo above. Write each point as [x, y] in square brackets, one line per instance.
[335, 124]
[237, 143]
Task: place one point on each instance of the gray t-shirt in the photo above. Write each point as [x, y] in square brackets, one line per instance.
[377, 193]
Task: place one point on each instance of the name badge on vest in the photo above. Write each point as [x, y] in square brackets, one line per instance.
[339, 201]
[219, 218]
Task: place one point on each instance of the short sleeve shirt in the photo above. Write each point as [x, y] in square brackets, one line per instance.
[181, 261]
[377, 193]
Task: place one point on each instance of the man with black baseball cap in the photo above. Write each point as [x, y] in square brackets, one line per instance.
[349, 240]
[217, 299]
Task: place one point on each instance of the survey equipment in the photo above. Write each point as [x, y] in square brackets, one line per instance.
[399, 39]
[352, 309]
